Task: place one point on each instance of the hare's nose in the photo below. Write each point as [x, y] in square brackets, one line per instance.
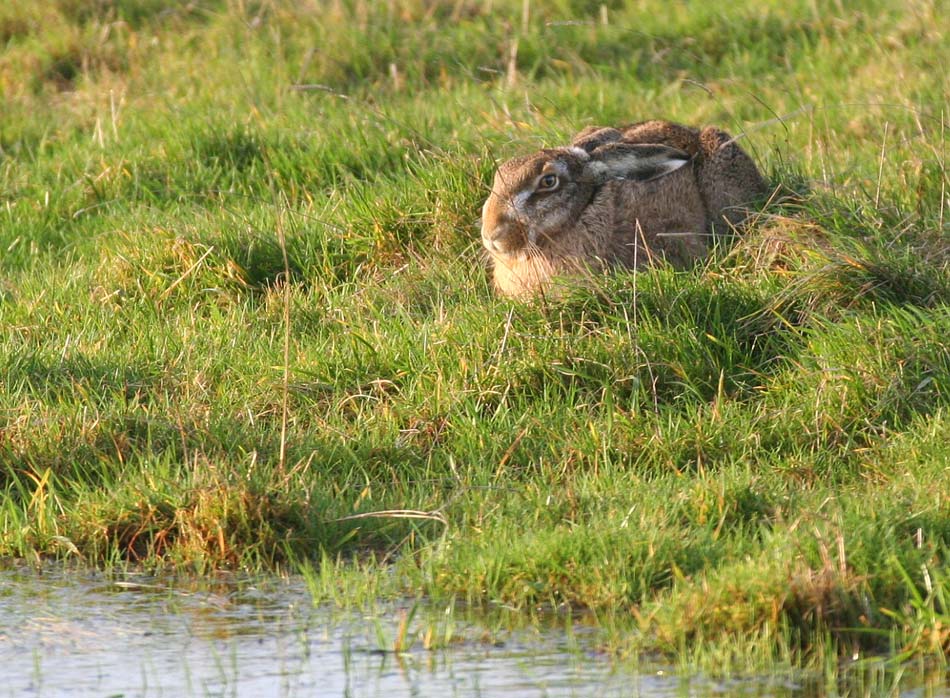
[503, 236]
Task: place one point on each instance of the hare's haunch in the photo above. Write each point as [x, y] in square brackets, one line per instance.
[614, 197]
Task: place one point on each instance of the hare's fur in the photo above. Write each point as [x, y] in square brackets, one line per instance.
[624, 197]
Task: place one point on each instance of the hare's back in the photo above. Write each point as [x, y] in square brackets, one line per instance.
[728, 178]
[664, 132]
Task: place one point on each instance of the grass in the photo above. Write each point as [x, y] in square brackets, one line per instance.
[246, 322]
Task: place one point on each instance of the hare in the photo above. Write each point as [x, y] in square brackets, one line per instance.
[614, 197]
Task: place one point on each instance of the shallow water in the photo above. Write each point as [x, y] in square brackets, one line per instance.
[84, 634]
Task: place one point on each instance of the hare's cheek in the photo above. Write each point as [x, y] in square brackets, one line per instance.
[550, 221]
[520, 205]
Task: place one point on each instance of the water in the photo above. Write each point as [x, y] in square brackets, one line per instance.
[88, 635]
[68, 634]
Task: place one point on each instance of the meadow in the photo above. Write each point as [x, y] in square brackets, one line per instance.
[245, 320]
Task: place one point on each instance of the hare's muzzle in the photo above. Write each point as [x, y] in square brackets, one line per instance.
[502, 235]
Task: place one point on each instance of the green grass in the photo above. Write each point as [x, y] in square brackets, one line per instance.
[245, 316]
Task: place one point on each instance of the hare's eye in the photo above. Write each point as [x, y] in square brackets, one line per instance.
[548, 182]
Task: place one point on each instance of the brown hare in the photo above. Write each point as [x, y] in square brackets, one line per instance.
[615, 197]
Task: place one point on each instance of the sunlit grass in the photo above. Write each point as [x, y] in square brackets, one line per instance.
[743, 462]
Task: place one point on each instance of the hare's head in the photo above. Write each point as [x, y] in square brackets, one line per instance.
[538, 198]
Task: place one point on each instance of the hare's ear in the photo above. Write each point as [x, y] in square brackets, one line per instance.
[593, 137]
[634, 161]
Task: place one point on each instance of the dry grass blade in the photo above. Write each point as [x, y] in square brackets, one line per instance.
[397, 514]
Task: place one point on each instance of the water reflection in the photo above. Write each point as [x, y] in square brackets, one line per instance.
[85, 634]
